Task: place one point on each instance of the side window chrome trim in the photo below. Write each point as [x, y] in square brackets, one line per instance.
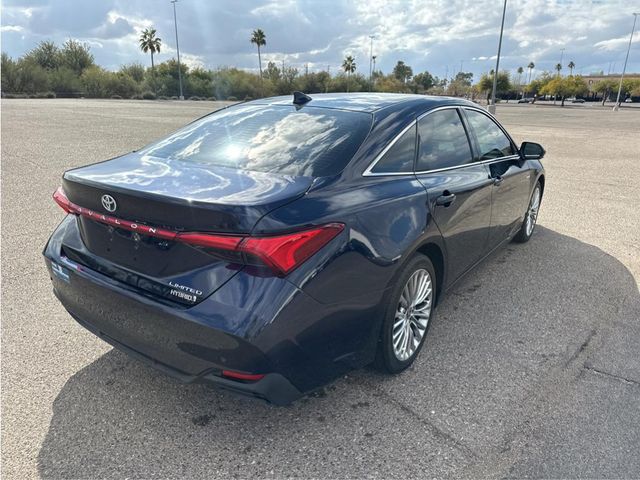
[498, 124]
[369, 173]
[482, 162]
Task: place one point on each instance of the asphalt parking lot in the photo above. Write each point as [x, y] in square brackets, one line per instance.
[531, 369]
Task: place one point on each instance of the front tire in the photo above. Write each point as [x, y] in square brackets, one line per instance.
[530, 217]
[408, 316]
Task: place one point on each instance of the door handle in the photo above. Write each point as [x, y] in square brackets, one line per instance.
[445, 199]
[498, 180]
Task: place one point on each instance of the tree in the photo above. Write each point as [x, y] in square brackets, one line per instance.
[571, 66]
[486, 83]
[149, 43]
[272, 73]
[605, 87]
[402, 71]
[260, 39]
[423, 81]
[349, 66]
[558, 68]
[134, 70]
[531, 66]
[564, 87]
[460, 85]
[76, 56]
[46, 54]
[95, 81]
[10, 76]
[520, 72]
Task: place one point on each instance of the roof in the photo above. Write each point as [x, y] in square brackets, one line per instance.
[365, 102]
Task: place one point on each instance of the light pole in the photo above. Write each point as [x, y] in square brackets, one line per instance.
[492, 107]
[624, 68]
[373, 58]
[175, 22]
[371, 37]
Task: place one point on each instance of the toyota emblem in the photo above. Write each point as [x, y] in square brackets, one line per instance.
[109, 203]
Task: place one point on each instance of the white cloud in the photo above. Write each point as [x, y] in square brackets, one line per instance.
[434, 35]
[616, 43]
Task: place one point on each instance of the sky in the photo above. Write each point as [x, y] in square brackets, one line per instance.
[441, 36]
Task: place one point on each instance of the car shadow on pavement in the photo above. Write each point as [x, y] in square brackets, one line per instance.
[531, 316]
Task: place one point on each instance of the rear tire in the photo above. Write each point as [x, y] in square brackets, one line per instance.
[408, 316]
[530, 216]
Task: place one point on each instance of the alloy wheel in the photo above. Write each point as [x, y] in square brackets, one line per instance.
[532, 212]
[412, 315]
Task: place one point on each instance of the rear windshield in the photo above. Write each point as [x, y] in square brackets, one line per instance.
[313, 142]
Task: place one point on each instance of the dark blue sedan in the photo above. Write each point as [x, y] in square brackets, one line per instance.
[271, 246]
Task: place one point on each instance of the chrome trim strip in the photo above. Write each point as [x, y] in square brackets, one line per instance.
[369, 173]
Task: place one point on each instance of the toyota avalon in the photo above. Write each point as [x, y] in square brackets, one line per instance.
[273, 245]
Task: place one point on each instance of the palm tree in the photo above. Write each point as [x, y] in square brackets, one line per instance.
[558, 68]
[349, 66]
[260, 39]
[150, 43]
[531, 66]
[520, 72]
[571, 66]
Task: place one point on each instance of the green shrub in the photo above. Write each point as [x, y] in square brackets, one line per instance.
[50, 95]
[232, 99]
[212, 99]
[64, 80]
[148, 95]
[174, 97]
[96, 81]
[163, 97]
[194, 97]
[248, 98]
[116, 97]
[137, 96]
[122, 84]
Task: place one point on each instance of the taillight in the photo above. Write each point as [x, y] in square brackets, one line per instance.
[284, 253]
[62, 200]
[281, 253]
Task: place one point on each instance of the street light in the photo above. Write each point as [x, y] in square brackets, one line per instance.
[373, 57]
[561, 56]
[371, 37]
[175, 22]
[492, 107]
[624, 68]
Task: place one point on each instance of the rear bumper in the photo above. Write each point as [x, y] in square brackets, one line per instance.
[251, 325]
[273, 387]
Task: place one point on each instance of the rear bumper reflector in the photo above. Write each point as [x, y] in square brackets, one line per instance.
[250, 377]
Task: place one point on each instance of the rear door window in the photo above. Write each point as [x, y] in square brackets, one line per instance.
[313, 142]
[492, 140]
[400, 156]
[443, 141]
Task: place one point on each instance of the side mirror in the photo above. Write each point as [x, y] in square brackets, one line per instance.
[531, 151]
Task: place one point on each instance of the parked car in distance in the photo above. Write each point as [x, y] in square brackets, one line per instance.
[577, 100]
[273, 245]
[628, 100]
[525, 100]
